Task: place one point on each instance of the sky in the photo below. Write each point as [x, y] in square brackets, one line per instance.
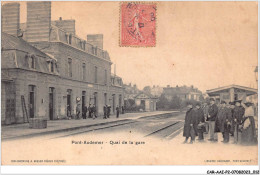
[205, 44]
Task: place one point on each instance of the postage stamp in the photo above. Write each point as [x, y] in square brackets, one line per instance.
[138, 24]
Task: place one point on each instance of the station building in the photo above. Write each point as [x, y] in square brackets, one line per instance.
[47, 69]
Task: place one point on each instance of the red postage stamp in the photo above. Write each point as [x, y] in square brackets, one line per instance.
[138, 24]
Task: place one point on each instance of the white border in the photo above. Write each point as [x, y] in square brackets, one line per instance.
[127, 169]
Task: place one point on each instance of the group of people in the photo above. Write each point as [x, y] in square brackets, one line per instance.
[234, 119]
[91, 111]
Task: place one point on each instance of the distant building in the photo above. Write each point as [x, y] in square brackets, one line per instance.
[130, 91]
[146, 101]
[233, 92]
[183, 92]
[47, 69]
[156, 91]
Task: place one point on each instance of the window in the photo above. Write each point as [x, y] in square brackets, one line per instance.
[70, 67]
[95, 74]
[83, 45]
[32, 61]
[84, 71]
[51, 66]
[93, 50]
[70, 38]
[105, 77]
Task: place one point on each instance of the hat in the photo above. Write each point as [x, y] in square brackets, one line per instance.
[222, 102]
[211, 99]
[232, 103]
[248, 103]
[238, 101]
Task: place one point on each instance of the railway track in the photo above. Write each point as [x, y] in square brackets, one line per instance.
[87, 130]
[110, 125]
[166, 132]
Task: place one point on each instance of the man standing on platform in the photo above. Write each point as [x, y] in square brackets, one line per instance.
[188, 129]
[89, 111]
[105, 112]
[200, 121]
[212, 113]
[232, 106]
[84, 112]
[239, 112]
[94, 111]
[223, 121]
[117, 112]
[108, 111]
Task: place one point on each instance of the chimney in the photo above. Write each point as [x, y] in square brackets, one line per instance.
[67, 25]
[38, 21]
[96, 40]
[115, 69]
[11, 18]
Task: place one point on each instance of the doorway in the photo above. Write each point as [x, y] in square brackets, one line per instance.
[69, 91]
[31, 101]
[83, 100]
[143, 104]
[9, 103]
[51, 103]
[113, 103]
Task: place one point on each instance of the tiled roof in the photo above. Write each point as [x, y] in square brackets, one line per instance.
[10, 42]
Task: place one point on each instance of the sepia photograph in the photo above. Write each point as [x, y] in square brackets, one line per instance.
[129, 83]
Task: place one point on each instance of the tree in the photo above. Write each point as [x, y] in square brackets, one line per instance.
[175, 102]
[162, 103]
[147, 89]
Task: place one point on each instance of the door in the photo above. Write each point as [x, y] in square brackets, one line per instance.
[68, 102]
[31, 101]
[10, 103]
[114, 100]
[143, 104]
[51, 102]
[83, 99]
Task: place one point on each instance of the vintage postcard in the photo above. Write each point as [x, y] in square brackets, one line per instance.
[129, 83]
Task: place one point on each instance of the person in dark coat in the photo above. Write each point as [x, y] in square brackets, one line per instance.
[68, 112]
[84, 112]
[223, 121]
[212, 114]
[78, 111]
[108, 111]
[239, 112]
[200, 122]
[94, 112]
[190, 121]
[89, 111]
[232, 129]
[105, 112]
[205, 109]
[123, 110]
[117, 112]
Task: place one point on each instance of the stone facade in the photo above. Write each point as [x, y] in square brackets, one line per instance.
[54, 72]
